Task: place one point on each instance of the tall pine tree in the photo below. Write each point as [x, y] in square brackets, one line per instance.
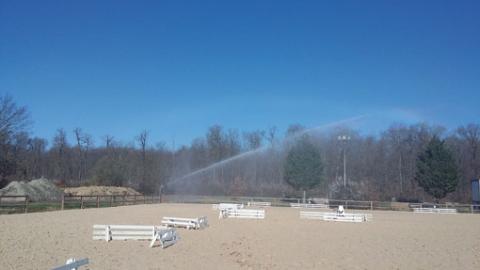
[436, 169]
[303, 169]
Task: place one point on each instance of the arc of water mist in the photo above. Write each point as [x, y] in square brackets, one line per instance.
[244, 154]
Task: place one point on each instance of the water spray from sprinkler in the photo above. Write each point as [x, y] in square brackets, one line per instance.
[258, 150]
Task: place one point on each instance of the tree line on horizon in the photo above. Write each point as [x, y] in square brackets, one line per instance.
[381, 167]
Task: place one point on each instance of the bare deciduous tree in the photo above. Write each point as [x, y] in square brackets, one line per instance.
[379, 167]
[14, 120]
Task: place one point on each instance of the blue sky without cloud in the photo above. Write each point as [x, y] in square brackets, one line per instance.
[177, 67]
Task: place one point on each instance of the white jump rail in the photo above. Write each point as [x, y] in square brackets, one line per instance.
[259, 204]
[166, 236]
[333, 216]
[225, 206]
[72, 264]
[435, 210]
[243, 213]
[308, 205]
[189, 223]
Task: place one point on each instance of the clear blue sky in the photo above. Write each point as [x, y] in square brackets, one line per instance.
[175, 67]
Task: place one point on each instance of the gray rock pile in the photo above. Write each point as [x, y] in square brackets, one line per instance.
[37, 190]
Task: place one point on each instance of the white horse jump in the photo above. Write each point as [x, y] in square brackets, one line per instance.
[260, 204]
[167, 236]
[225, 206]
[332, 216]
[435, 210]
[308, 205]
[72, 264]
[189, 223]
[242, 213]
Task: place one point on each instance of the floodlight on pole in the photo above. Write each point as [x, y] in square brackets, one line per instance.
[344, 139]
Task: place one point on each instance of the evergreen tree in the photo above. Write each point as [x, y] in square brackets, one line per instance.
[303, 169]
[436, 169]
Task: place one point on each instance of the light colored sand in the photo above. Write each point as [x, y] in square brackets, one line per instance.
[393, 240]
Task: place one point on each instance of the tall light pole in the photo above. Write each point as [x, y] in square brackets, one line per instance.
[344, 139]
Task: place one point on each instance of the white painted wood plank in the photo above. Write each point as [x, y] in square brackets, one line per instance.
[125, 237]
[332, 216]
[435, 210]
[72, 265]
[125, 227]
[244, 213]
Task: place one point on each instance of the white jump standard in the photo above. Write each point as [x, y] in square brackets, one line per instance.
[189, 223]
[167, 237]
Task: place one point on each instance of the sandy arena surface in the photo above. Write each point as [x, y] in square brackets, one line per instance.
[393, 240]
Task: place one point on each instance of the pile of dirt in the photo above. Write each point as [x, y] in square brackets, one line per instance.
[100, 190]
[37, 190]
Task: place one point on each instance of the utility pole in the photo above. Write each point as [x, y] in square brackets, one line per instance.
[344, 139]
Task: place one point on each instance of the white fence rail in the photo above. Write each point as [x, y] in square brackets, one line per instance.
[435, 210]
[308, 205]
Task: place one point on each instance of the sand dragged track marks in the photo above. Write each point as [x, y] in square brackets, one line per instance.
[393, 240]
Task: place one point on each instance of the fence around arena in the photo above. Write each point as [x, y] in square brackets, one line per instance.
[22, 204]
[13, 204]
[332, 203]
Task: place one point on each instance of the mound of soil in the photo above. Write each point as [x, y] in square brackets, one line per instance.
[100, 190]
[37, 190]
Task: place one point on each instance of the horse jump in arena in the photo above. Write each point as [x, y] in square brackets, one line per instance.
[242, 213]
[233, 210]
[224, 206]
[166, 236]
[189, 223]
[72, 264]
[339, 215]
